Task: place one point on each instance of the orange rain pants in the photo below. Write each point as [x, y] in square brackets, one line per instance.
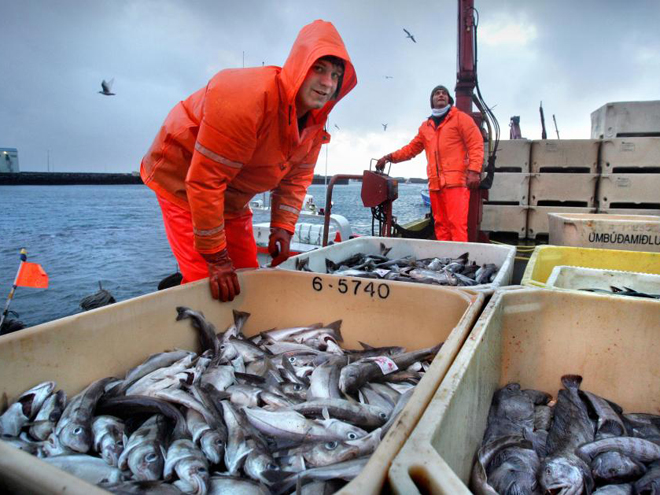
[179, 230]
[450, 207]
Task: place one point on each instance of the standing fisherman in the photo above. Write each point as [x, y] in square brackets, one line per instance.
[454, 154]
[247, 132]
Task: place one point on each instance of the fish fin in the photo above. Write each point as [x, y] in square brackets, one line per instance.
[571, 381]
[182, 312]
[384, 250]
[336, 326]
[250, 378]
[325, 413]
[366, 347]
[330, 266]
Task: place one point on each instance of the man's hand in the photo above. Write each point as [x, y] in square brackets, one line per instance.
[222, 277]
[278, 245]
[380, 164]
[473, 179]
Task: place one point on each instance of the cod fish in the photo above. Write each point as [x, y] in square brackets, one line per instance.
[109, 438]
[144, 453]
[563, 471]
[478, 479]
[189, 464]
[24, 409]
[614, 467]
[91, 469]
[48, 416]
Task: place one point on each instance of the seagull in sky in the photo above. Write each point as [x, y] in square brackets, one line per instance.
[384, 126]
[408, 35]
[337, 127]
[389, 77]
[107, 86]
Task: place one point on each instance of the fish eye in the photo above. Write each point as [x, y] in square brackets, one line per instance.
[151, 457]
[352, 436]
[119, 443]
[272, 466]
[382, 415]
[297, 387]
[77, 431]
[331, 445]
[292, 359]
[201, 469]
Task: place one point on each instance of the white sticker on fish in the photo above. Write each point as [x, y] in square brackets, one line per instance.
[385, 364]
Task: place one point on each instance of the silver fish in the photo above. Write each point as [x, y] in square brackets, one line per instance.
[324, 381]
[151, 364]
[358, 414]
[343, 470]
[74, 429]
[150, 381]
[206, 331]
[236, 328]
[109, 438]
[189, 464]
[88, 468]
[24, 409]
[48, 416]
[259, 461]
[237, 448]
[288, 425]
[144, 453]
[211, 441]
[141, 488]
[220, 485]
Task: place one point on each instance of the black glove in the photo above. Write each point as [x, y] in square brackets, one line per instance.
[222, 277]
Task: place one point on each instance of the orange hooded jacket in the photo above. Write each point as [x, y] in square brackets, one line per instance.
[453, 148]
[239, 136]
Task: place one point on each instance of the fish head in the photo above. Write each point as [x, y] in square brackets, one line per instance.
[213, 446]
[559, 476]
[112, 448]
[146, 462]
[615, 467]
[228, 352]
[326, 453]
[195, 472]
[348, 377]
[53, 447]
[257, 463]
[76, 437]
[345, 431]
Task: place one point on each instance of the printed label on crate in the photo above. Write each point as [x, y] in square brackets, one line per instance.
[641, 239]
[385, 364]
[627, 146]
[622, 182]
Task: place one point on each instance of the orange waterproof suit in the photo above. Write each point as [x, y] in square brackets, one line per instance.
[239, 136]
[452, 148]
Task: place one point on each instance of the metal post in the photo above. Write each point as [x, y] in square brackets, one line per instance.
[328, 203]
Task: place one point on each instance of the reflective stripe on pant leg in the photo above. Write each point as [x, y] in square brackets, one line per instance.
[457, 205]
[179, 231]
[240, 241]
[439, 217]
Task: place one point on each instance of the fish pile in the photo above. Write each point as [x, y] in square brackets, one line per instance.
[439, 271]
[286, 410]
[624, 291]
[579, 444]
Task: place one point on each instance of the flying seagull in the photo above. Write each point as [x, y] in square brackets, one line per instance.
[107, 86]
[408, 35]
[337, 126]
[389, 77]
[384, 126]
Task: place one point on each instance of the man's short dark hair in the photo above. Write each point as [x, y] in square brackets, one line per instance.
[339, 62]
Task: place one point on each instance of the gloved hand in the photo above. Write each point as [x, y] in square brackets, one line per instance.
[473, 179]
[222, 277]
[380, 164]
[278, 245]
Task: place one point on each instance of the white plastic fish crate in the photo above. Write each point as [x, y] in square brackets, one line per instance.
[502, 256]
[619, 118]
[577, 278]
[607, 231]
[510, 188]
[513, 155]
[625, 154]
[505, 218]
[618, 190]
[532, 337]
[562, 187]
[76, 350]
[537, 218]
[553, 155]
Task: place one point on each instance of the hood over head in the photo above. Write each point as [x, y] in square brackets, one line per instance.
[316, 40]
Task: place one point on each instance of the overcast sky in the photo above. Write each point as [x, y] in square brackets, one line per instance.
[573, 55]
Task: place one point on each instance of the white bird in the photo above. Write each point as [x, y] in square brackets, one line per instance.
[384, 126]
[408, 35]
[107, 86]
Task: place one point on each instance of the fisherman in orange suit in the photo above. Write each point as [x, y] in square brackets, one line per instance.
[454, 154]
[248, 131]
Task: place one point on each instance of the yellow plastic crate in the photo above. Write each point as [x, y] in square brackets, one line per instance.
[545, 258]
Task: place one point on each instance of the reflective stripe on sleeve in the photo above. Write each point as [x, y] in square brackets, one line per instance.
[210, 232]
[290, 209]
[217, 158]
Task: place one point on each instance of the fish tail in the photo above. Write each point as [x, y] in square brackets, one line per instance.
[571, 381]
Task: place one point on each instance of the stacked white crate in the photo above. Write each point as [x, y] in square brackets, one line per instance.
[630, 176]
[563, 179]
[508, 198]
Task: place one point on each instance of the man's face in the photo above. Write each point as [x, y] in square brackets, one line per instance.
[318, 87]
[440, 99]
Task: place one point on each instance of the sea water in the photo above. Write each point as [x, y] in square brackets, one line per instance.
[83, 235]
